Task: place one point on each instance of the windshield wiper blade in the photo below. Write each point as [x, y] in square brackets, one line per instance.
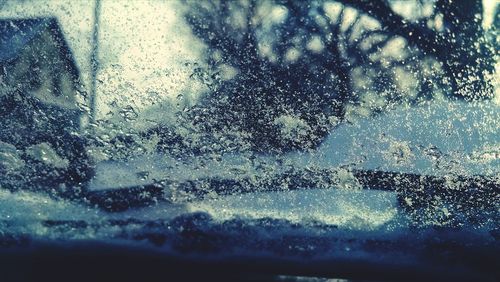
[467, 191]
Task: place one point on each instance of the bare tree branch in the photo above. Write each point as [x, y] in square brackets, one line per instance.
[417, 35]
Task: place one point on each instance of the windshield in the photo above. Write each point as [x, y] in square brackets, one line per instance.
[295, 126]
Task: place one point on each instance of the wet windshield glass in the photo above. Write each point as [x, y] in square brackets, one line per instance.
[366, 116]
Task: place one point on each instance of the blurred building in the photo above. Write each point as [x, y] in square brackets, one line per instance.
[40, 88]
[39, 80]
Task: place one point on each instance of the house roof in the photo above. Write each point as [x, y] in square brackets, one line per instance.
[16, 34]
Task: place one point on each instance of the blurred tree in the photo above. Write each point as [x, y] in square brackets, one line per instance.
[285, 72]
[453, 34]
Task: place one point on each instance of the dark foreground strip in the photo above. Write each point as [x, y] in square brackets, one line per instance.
[195, 247]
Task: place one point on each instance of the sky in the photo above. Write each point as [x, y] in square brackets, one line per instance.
[146, 49]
